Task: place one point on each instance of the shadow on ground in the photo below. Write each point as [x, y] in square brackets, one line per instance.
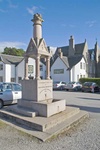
[88, 98]
[86, 108]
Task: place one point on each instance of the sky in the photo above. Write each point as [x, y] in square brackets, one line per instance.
[62, 18]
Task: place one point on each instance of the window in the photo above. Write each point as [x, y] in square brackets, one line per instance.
[77, 77]
[41, 67]
[58, 71]
[19, 79]
[6, 86]
[83, 65]
[12, 79]
[16, 87]
[80, 65]
[80, 76]
[1, 66]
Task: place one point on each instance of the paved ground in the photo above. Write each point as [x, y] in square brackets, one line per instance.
[85, 137]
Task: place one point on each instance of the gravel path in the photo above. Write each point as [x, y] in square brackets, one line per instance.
[85, 137]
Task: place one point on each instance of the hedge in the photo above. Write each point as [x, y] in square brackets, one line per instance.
[96, 80]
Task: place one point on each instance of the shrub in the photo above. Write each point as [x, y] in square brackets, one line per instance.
[96, 80]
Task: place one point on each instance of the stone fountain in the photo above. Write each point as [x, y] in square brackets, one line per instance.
[38, 113]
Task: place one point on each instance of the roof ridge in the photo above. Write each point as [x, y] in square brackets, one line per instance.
[11, 55]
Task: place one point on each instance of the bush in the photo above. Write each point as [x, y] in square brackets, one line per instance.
[96, 80]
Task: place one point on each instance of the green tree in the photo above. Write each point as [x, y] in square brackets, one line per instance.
[13, 51]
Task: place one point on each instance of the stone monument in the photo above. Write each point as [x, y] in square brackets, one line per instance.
[37, 94]
[37, 113]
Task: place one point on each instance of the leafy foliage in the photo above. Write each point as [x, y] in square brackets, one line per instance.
[96, 80]
[13, 51]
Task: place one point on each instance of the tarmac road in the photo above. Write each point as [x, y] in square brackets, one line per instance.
[85, 137]
[85, 101]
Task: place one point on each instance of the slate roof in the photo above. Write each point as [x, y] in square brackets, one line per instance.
[9, 59]
[79, 48]
[72, 60]
[15, 60]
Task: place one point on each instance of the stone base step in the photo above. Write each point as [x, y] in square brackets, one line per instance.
[68, 123]
[22, 111]
[38, 122]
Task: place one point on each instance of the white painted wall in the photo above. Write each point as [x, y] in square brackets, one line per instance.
[58, 64]
[12, 67]
[77, 72]
[7, 73]
[19, 70]
[73, 75]
[2, 71]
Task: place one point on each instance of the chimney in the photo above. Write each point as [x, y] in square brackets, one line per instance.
[71, 42]
[60, 53]
[37, 26]
[71, 46]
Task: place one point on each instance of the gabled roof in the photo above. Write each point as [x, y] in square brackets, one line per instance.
[79, 48]
[73, 60]
[10, 59]
[70, 60]
[65, 60]
[15, 60]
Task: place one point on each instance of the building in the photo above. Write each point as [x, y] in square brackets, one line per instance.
[69, 63]
[94, 61]
[12, 68]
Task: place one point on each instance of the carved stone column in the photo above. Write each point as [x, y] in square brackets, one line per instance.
[38, 67]
[26, 68]
[48, 68]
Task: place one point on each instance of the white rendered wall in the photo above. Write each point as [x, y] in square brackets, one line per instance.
[2, 71]
[77, 72]
[7, 72]
[58, 64]
[20, 70]
[13, 75]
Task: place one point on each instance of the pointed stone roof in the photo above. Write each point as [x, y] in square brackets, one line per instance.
[37, 46]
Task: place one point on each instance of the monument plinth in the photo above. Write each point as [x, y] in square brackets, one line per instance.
[37, 94]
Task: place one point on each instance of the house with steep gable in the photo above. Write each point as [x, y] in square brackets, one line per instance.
[12, 68]
[70, 63]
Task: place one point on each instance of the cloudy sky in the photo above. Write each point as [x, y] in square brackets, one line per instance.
[62, 18]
